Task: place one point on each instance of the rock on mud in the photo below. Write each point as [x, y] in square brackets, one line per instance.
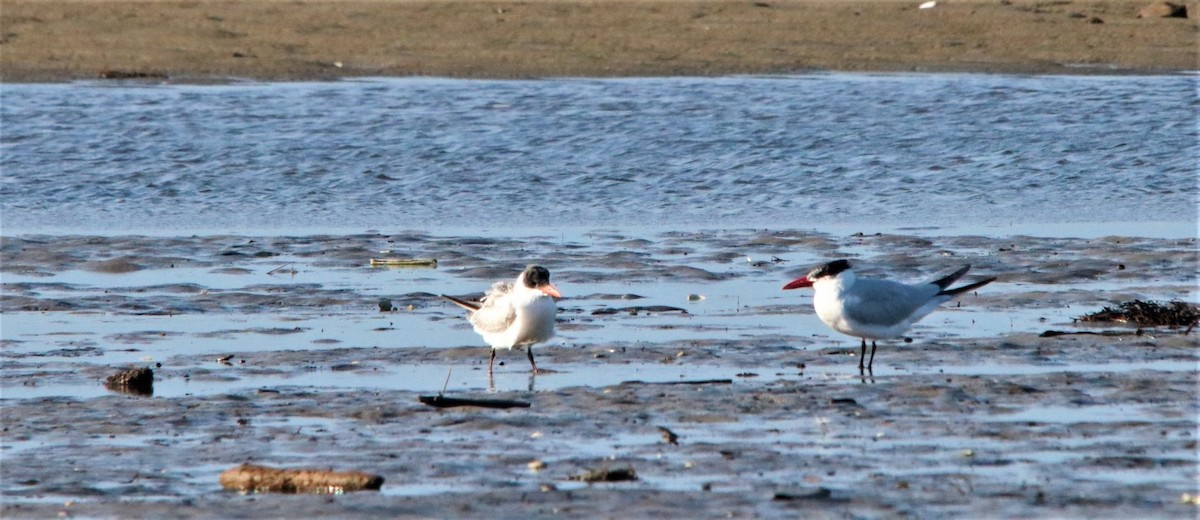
[136, 381]
[606, 475]
[250, 478]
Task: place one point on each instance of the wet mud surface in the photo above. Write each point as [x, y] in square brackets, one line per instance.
[979, 416]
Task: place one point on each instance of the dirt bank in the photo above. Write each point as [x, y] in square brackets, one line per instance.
[204, 40]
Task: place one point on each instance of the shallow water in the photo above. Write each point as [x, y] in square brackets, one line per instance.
[747, 151]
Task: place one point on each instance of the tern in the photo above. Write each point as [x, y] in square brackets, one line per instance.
[515, 314]
[875, 309]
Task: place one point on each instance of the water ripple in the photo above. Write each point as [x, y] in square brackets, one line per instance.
[794, 151]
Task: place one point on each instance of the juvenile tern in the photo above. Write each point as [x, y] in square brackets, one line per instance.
[515, 314]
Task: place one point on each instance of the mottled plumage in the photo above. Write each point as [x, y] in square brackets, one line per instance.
[515, 314]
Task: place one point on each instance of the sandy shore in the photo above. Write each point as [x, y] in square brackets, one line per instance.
[979, 417]
[58, 40]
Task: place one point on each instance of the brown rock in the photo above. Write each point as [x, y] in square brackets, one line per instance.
[1163, 10]
[250, 478]
[135, 381]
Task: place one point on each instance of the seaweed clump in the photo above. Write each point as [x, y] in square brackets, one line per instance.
[1149, 314]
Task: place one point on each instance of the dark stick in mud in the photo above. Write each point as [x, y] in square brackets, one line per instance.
[439, 401]
[690, 382]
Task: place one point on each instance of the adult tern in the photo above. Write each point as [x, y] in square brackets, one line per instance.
[873, 309]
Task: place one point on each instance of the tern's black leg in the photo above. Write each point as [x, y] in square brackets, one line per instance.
[491, 362]
[529, 352]
[862, 354]
[870, 363]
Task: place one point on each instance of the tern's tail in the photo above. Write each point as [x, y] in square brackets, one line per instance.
[966, 288]
[470, 306]
[945, 281]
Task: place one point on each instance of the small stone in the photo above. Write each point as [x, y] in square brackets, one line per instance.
[1163, 10]
[669, 436]
[607, 475]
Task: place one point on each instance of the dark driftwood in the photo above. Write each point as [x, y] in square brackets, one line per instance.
[250, 478]
[817, 494]
[450, 402]
[1111, 333]
[691, 382]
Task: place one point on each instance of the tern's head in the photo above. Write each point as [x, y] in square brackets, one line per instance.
[825, 272]
[538, 278]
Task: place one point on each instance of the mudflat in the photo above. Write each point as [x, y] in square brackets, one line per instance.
[275, 350]
[199, 40]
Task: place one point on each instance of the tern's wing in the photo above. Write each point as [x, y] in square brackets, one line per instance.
[497, 313]
[886, 303]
